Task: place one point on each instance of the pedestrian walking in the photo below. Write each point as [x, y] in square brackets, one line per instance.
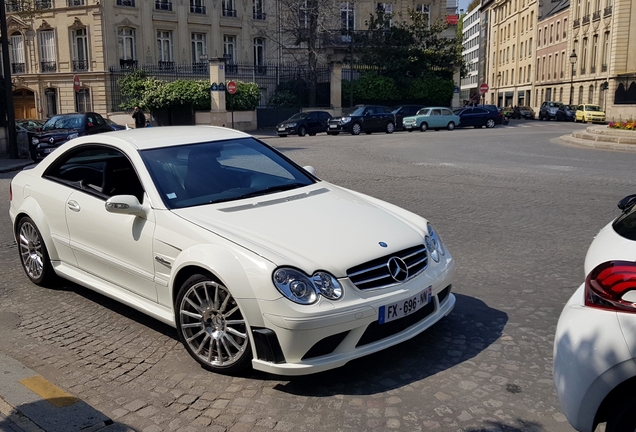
[140, 117]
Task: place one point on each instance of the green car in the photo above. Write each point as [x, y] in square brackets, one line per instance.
[431, 118]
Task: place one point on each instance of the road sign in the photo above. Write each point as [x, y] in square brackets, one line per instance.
[483, 88]
[231, 87]
[76, 83]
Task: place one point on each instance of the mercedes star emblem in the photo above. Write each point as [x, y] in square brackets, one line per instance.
[398, 269]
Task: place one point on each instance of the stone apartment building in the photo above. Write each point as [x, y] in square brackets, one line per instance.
[65, 41]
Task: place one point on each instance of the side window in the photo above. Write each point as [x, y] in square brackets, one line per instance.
[437, 112]
[369, 110]
[100, 171]
[447, 112]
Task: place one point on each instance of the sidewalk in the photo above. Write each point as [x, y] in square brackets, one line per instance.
[9, 165]
[30, 403]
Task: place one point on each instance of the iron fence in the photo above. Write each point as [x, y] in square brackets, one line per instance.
[308, 88]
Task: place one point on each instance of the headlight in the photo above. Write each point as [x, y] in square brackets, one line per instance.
[34, 140]
[436, 243]
[71, 136]
[345, 120]
[301, 289]
[432, 250]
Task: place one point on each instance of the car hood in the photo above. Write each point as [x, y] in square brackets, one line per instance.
[57, 133]
[316, 227]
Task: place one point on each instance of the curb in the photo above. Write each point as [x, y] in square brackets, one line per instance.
[27, 407]
[601, 145]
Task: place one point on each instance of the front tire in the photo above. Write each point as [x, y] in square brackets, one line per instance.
[34, 256]
[622, 418]
[211, 325]
[490, 123]
[423, 127]
[356, 129]
[390, 127]
[451, 126]
[302, 131]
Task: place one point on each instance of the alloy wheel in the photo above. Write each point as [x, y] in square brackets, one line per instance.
[31, 251]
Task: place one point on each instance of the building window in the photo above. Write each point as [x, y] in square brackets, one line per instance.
[130, 3]
[164, 49]
[80, 50]
[347, 20]
[197, 6]
[259, 56]
[47, 51]
[72, 3]
[16, 54]
[165, 5]
[199, 51]
[558, 30]
[584, 57]
[594, 53]
[387, 10]
[258, 9]
[426, 11]
[229, 52]
[83, 100]
[126, 47]
[50, 101]
[605, 51]
[590, 94]
[580, 95]
[229, 9]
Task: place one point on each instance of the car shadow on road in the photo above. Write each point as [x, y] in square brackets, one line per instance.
[471, 328]
[520, 426]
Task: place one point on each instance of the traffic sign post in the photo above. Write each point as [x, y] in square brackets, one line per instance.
[483, 89]
[231, 89]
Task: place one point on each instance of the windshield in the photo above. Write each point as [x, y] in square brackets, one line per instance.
[355, 111]
[298, 116]
[219, 171]
[64, 122]
[592, 108]
[554, 104]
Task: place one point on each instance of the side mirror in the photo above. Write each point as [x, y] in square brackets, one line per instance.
[311, 170]
[124, 204]
[627, 203]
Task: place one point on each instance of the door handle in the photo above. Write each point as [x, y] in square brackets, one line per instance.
[73, 205]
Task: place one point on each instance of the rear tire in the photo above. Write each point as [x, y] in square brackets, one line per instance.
[390, 127]
[490, 123]
[34, 256]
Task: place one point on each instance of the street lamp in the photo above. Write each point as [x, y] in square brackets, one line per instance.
[498, 85]
[573, 62]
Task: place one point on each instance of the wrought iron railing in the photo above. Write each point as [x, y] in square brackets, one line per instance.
[166, 65]
[128, 64]
[48, 66]
[259, 15]
[604, 68]
[586, 19]
[607, 11]
[72, 3]
[596, 15]
[163, 5]
[576, 23]
[130, 3]
[197, 9]
[592, 69]
[80, 65]
[229, 12]
[18, 68]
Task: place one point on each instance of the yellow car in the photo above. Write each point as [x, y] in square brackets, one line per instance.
[589, 113]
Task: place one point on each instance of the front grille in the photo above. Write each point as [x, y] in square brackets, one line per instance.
[375, 274]
[376, 331]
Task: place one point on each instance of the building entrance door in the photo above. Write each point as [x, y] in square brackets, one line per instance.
[24, 104]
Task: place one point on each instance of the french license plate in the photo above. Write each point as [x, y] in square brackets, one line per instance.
[333, 126]
[406, 307]
[281, 129]
[48, 150]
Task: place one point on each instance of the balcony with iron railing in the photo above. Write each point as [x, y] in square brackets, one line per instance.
[80, 65]
[576, 23]
[607, 11]
[127, 64]
[129, 3]
[259, 15]
[592, 69]
[74, 3]
[582, 71]
[604, 68]
[586, 19]
[163, 5]
[197, 9]
[48, 66]
[18, 68]
[229, 12]
[596, 16]
[43, 4]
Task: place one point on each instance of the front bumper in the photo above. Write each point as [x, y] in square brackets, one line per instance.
[591, 358]
[333, 336]
[285, 130]
[42, 150]
[339, 127]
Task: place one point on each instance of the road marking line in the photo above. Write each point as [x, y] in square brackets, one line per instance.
[49, 391]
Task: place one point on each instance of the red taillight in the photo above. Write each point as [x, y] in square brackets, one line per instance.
[606, 285]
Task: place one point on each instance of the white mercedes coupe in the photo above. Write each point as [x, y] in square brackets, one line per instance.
[250, 257]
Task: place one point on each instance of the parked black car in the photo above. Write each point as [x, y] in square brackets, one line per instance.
[549, 110]
[523, 112]
[303, 123]
[478, 117]
[364, 118]
[566, 113]
[404, 111]
[61, 128]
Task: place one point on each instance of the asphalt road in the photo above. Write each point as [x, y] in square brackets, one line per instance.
[516, 208]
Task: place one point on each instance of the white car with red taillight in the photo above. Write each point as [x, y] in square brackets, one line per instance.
[595, 341]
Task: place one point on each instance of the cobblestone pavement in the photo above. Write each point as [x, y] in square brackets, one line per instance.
[517, 211]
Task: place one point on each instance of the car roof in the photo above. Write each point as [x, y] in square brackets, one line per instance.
[164, 136]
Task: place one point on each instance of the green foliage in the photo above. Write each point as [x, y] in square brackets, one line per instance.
[246, 98]
[282, 99]
[152, 94]
[432, 90]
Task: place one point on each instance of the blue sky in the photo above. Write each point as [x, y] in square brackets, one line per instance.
[463, 4]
